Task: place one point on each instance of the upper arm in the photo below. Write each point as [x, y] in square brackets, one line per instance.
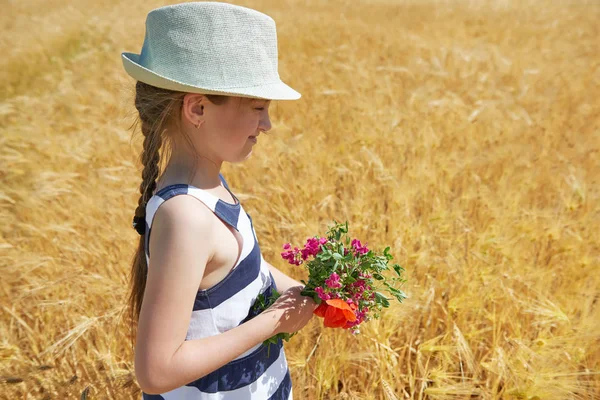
[180, 248]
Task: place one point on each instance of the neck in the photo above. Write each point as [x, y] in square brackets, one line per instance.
[196, 170]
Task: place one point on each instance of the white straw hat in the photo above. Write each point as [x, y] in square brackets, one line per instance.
[210, 48]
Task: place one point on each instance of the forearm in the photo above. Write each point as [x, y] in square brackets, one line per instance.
[283, 281]
[197, 358]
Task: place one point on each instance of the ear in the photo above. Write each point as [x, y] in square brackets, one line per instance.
[192, 109]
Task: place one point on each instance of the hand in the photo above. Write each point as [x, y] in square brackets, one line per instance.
[292, 310]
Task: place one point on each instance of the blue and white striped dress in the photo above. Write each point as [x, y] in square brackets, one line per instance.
[258, 373]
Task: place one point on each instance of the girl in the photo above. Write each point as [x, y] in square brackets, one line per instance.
[206, 76]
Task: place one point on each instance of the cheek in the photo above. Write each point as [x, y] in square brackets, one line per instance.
[222, 127]
[241, 127]
[234, 126]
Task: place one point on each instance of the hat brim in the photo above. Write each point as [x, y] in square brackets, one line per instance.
[271, 91]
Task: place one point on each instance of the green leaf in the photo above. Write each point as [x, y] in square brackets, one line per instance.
[400, 296]
[316, 298]
[378, 277]
[387, 254]
[382, 299]
[398, 269]
[396, 292]
[324, 255]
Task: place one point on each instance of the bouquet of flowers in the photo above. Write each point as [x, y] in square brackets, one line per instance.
[344, 277]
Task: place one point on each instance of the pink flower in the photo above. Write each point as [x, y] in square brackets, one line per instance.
[333, 281]
[361, 315]
[292, 256]
[357, 296]
[321, 293]
[359, 284]
[305, 254]
[359, 249]
[312, 247]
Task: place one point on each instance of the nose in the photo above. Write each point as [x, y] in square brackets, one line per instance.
[264, 124]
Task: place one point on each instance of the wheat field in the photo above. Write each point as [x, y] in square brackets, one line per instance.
[464, 134]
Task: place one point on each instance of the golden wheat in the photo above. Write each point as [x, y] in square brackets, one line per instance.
[465, 134]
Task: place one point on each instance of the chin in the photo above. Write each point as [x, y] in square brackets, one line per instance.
[241, 158]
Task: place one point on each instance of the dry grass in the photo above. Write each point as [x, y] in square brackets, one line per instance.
[465, 134]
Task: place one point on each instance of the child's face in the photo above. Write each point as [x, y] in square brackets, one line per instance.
[230, 129]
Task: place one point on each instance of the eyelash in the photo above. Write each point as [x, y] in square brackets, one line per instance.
[260, 108]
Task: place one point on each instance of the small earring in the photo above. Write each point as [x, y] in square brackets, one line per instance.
[198, 125]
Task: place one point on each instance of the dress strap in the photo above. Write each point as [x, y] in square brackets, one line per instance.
[225, 183]
[227, 212]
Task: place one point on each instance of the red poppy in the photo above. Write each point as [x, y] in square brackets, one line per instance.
[336, 313]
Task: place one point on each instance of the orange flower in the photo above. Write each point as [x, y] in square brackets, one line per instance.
[336, 313]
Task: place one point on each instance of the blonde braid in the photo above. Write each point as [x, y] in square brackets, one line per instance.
[156, 107]
[150, 158]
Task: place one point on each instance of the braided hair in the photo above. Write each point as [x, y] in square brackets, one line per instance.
[156, 108]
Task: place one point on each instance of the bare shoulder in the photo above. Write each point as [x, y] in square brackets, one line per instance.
[181, 238]
[180, 219]
[183, 213]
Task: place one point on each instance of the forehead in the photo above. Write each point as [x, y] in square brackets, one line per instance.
[260, 101]
[238, 103]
